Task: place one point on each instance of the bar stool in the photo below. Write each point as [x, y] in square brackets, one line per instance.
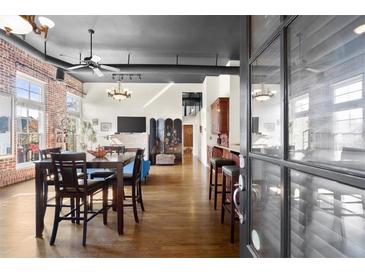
[216, 164]
[231, 173]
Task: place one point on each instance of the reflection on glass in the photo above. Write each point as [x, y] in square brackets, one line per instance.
[29, 134]
[262, 27]
[265, 193]
[266, 101]
[326, 90]
[327, 218]
[27, 90]
[5, 124]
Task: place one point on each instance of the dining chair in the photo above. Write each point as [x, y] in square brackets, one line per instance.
[45, 154]
[69, 185]
[134, 181]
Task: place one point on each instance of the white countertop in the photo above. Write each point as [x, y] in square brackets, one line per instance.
[233, 147]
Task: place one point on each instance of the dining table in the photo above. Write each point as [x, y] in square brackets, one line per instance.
[114, 162]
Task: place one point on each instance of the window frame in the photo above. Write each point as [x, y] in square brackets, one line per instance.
[343, 175]
[29, 104]
[11, 126]
[75, 115]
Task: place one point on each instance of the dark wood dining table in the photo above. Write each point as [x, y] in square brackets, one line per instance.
[116, 162]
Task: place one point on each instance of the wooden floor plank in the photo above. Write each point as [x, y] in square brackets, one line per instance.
[179, 221]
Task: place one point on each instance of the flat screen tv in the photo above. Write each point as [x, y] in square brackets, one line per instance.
[131, 124]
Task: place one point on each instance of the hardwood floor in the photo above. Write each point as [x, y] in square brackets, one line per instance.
[179, 221]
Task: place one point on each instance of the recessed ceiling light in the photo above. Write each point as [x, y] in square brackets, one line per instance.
[360, 29]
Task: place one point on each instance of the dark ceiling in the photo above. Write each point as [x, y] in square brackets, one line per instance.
[148, 39]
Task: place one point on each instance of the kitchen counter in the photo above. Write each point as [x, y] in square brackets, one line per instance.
[232, 148]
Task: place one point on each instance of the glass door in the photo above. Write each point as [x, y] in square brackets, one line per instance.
[302, 80]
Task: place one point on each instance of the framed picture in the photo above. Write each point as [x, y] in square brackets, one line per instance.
[95, 122]
[105, 126]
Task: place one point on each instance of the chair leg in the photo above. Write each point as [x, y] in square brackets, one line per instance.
[223, 197]
[77, 210]
[91, 202]
[45, 197]
[84, 232]
[73, 209]
[210, 181]
[140, 195]
[114, 188]
[134, 203]
[56, 220]
[215, 188]
[105, 205]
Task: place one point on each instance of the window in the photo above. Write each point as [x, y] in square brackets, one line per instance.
[326, 64]
[348, 90]
[302, 104]
[262, 27]
[298, 127]
[74, 107]
[29, 119]
[28, 90]
[73, 104]
[348, 128]
[266, 208]
[327, 218]
[6, 116]
[266, 101]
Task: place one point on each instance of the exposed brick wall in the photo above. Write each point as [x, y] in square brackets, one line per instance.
[12, 60]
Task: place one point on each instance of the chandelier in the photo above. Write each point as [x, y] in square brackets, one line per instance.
[263, 93]
[24, 24]
[119, 93]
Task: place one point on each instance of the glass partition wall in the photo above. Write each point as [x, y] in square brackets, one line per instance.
[306, 136]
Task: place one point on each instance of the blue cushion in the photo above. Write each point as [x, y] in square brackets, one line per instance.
[128, 169]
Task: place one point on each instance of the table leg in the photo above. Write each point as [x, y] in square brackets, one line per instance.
[39, 201]
[120, 199]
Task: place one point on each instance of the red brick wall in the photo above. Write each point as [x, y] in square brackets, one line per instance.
[12, 60]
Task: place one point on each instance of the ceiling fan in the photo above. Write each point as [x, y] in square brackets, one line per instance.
[92, 61]
[302, 63]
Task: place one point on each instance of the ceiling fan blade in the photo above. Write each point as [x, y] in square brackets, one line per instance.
[77, 67]
[109, 68]
[98, 72]
[95, 59]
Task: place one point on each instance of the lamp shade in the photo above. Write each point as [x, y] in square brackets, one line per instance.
[44, 21]
[15, 24]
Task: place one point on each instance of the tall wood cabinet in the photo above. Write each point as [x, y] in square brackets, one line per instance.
[220, 116]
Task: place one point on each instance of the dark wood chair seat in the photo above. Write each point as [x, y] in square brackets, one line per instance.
[91, 187]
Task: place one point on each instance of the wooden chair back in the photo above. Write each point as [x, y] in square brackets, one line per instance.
[46, 153]
[137, 168]
[67, 167]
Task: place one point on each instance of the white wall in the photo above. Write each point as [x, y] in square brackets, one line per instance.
[214, 87]
[97, 105]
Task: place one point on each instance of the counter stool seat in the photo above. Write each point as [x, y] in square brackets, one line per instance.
[216, 164]
[218, 161]
[231, 173]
